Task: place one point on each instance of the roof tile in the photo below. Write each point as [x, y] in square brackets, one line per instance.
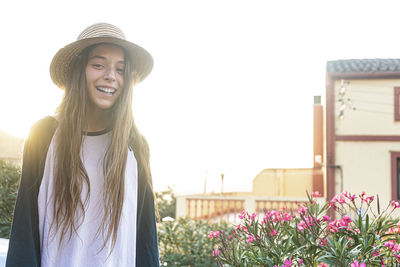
[363, 65]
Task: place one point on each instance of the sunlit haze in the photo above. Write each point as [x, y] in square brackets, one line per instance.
[233, 82]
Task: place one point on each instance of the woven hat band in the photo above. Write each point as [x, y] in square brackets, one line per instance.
[102, 30]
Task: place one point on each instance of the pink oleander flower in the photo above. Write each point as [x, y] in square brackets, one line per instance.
[316, 194]
[322, 242]
[302, 210]
[326, 218]
[347, 219]
[367, 199]
[242, 215]
[301, 226]
[253, 216]
[215, 252]
[287, 263]
[389, 244]
[355, 264]
[337, 199]
[323, 265]
[250, 239]
[242, 227]
[395, 204]
[333, 226]
[287, 217]
[396, 247]
[334, 199]
[213, 234]
[394, 230]
[300, 262]
[268, 215]
[273, 232]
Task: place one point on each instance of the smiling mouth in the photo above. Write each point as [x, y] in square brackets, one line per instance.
[106, 90]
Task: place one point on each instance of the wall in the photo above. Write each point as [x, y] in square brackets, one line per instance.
[283, 182]
[366, 165]
[374, 103]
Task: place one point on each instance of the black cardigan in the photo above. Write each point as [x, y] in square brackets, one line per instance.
[24, 245]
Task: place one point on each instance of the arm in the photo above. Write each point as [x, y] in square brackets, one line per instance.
[24, 245]
[146, 239]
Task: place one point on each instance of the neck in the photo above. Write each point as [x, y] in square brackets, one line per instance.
[97, 120]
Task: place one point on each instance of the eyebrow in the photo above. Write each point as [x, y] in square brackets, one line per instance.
[104, 58]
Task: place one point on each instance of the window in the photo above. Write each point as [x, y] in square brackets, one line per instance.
[395, 166]
[397, 104]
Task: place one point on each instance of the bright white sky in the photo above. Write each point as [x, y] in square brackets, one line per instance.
[233, 83]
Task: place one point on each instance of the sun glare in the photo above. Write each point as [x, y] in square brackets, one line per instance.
[19, 113]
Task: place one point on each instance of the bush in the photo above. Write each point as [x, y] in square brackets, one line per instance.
[184, 242]
[360, 236]
[166, 203]
[9, 180]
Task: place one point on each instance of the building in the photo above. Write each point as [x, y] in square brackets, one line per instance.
[356, 147]
[283, 182]
[363, 127]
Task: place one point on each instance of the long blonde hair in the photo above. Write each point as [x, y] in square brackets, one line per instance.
[70, 174]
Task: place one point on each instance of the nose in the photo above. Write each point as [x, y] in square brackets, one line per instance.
[109, 75]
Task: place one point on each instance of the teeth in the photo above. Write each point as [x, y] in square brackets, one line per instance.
[106, 90]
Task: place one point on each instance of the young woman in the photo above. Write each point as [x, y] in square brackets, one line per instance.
[85, 196]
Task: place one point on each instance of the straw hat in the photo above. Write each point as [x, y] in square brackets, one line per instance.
[95, 34]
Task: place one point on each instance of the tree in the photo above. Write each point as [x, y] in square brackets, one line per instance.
[166, 201]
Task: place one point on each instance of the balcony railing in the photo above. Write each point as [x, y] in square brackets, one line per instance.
[216, 208]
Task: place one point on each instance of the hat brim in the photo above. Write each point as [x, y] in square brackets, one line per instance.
[141, 60]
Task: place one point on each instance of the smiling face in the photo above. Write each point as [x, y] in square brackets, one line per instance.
[104, 76]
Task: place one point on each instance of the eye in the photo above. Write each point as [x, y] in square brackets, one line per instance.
[97, 66]
[120, 70]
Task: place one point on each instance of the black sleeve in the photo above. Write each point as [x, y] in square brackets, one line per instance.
[146, 240]
[147, 254]
[24, 244]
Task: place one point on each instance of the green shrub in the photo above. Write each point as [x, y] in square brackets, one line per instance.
[184, 242]
[166, 202]
[9, 180]
[309, 237]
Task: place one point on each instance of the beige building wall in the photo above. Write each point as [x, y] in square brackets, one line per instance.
[366, 167]
[283, 182]
[374, 108]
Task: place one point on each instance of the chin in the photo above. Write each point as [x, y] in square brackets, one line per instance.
[105, 106]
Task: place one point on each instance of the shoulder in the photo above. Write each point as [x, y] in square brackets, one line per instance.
[138, 143]
[41, 134]
[44, 124]
[44, 127]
